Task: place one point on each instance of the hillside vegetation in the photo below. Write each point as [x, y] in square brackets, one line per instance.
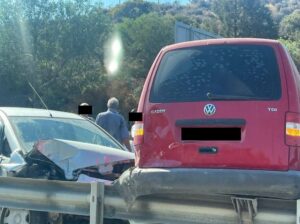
[75, 51]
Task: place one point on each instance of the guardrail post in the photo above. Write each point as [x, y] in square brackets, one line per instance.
[298, 212]
[96, 203]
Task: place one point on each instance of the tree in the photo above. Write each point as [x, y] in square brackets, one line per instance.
[131, 9]
[290, 26]
[71, 54]
[212, 23]
[244, 18]
[14, 58]
[57, 46]
[142, 39]
[289, 30]
[294, 49]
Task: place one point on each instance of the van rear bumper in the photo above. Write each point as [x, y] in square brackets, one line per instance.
[183, 181]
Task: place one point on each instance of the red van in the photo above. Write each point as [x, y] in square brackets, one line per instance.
[220, 103]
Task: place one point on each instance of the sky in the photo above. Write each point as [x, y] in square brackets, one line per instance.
[111, 3]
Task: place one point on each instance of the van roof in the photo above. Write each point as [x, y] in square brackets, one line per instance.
[221, 41]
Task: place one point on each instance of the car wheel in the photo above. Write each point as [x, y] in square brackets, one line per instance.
[22, 216]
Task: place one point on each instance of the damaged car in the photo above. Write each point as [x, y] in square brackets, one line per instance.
[54, 145]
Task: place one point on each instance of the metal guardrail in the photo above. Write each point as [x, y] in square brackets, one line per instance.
[205, 210]
[53, 196]
[91, 199]
[43, 195]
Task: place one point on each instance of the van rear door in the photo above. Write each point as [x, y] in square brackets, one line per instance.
[217, 106]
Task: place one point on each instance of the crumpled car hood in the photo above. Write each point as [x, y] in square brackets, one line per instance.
[71, 155]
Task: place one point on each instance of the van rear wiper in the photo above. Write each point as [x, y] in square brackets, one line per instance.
[212, 96]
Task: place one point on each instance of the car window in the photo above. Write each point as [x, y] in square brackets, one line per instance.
[5, 148]
[1, 130]
[31, 129]
[189, 74]
[85, 135]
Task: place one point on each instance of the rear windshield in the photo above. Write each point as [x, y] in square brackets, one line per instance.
[229, 72]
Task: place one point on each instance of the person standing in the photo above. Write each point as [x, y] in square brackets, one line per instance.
[84, 110]
[114, 123]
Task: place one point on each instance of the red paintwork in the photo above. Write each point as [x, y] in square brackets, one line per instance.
[293, 82]
[263, 137]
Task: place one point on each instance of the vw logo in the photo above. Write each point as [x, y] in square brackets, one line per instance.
[209, 109]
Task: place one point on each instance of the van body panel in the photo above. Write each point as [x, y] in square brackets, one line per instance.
[292, 80]
[256, 150]
[262, 135]
[293, 83]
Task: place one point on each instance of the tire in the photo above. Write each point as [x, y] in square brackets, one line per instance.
[21, 216]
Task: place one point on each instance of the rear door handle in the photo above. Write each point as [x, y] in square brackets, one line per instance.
[208, 150]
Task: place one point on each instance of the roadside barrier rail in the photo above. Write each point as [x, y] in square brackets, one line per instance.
[53, 196]
[99, 201]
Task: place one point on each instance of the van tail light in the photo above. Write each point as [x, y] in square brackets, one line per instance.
[137, 132]
[292, 129]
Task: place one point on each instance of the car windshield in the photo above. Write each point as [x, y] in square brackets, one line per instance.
[31, 129]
